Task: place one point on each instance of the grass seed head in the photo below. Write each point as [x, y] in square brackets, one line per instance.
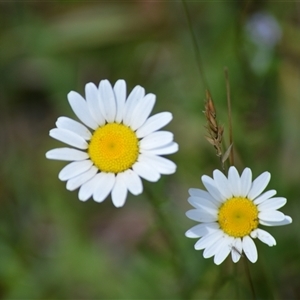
[215, 131]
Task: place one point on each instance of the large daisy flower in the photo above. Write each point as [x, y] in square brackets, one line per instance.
[117, 144]
[230, 212]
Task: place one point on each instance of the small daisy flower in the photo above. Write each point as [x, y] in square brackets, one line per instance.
[230, 212]
[117, 144]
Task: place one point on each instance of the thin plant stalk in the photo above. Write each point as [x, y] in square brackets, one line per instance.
[246, 263]
[231, 155]
[157, 202]
[195, 44]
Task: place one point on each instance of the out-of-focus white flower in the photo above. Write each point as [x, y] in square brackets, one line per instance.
[264, 33]
[263, 29]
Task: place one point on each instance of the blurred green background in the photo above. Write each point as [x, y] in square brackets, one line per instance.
[52, 246]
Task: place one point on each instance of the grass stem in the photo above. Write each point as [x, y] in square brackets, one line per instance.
[231, 156]
[246, 263]
[195, 44]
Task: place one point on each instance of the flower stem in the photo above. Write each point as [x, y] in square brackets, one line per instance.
[246, 263]
[162, 215]
[231, 156]
[195, 44]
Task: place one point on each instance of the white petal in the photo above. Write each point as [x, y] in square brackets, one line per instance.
[81, 110]
[202, 203]
[271, 215]
[265, 196]
[67, 154]
[201, 230]
[201, 215]
[76, 182]
[74, 168]
[211, 250]
[208, 239]
[199, 193]
[156, 140]
[160, 164]
[120, 95]
[272, 204]
[87, 189]
[119, 192]
[136, 95]
[214, 248]
[224, 250]
[133, 182]
[236, 250]
[154, 123]
[234, 182]
[68, 137]
[74, 126]
[221, 183]
[107, 101]
[249, 249]
[142, 111]
[106, 183]
[259, 184]
[246, 182]
[92, 99]
[203, 194]
[264, 236]
[146, 171]
[164, 150]
[287, 220]
[209, 184]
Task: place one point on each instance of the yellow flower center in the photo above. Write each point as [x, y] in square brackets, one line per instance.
[238, 216]
[113, 148]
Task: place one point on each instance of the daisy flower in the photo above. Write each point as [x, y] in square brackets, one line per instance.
[230, 212]
[116, 144]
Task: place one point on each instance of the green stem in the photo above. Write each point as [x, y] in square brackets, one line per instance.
[166, 225]
[231, 156]
[249, 277]
[236, 276]
[195, 44]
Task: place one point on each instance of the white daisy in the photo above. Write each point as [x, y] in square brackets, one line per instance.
[230, 212]
[122, 145]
